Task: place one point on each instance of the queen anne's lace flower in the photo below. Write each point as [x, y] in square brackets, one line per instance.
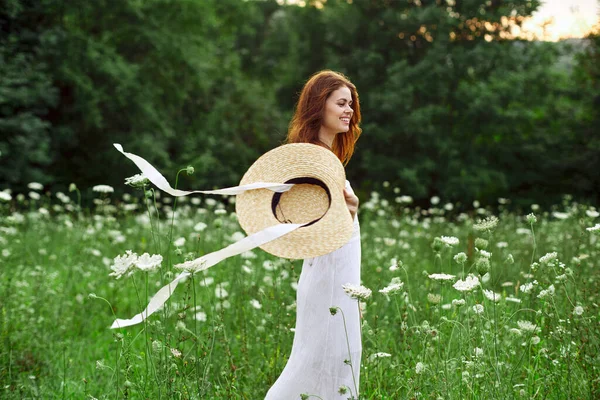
[450, 240]
[374, 356]
[485, 254]
[548, 257]
[528, 326]
[441, 277]
[103, 189]
[592, 213]
[122, 264]
[527, 287]
[470, 283]
[594, 228]
[392, 288]
[357, 292]
[487, 224]
[560, 215]
[546, 292]
[137, 180]
[491, 295]
[5, 196]
[148, 263]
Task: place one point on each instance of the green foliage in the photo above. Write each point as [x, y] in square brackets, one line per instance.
[452, 105]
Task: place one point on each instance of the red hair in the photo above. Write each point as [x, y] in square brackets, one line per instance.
[307, 120]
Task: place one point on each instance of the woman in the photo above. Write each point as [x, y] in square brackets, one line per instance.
[327, 114]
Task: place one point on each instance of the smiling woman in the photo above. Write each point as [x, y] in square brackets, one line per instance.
[327, 349]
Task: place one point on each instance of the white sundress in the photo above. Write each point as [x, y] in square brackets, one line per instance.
[316, 365]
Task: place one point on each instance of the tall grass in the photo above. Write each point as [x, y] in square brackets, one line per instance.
[530, 328]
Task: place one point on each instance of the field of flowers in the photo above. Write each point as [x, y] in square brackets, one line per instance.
[481, 305]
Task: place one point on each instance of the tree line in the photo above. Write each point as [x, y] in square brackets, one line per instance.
[453, 105]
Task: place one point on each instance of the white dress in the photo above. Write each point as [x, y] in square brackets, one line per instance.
[316, 365]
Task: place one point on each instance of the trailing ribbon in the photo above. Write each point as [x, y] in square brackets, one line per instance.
[208, 260]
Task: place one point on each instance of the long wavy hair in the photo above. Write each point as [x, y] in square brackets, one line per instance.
[308, 116]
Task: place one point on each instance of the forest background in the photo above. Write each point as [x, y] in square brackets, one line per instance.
[453, 104]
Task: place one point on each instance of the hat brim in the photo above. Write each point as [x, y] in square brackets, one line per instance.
[287, 163]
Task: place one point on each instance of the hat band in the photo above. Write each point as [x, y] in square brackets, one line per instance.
[303, 180]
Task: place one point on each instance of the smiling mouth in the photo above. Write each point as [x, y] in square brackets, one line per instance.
[345, 120]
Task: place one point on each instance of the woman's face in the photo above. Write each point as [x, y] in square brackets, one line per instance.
[338, 112]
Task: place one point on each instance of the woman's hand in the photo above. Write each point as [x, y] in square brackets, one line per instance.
[352, 202]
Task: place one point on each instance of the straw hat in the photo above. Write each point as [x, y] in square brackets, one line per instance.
[316, 200]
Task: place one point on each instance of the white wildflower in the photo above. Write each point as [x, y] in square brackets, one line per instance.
[103, 189]
[470, 283]
[450, 240]
[176, 353]
[220, 292]
[531, 218]
[137, 180]
[434, 298]
[578, 310]
[5, 196]
[548, 257]
[200, 316]
[34, 195]
[441, 277]
[478, 352]
[200, 226]
[546, 292]
[594, 228]
[180, 242]
[394, 287]
[435, 200]
[535, 340]
[491, 295]
[256, 304]
[357, 292]
[528, 326]
[592, 213]
[527, 287]
[123, 263]
[478, 308]
[486, 224]
[458, 302]
[404, 199]
[560, 215]
[148, 263]
[35, 186]
[419, 368]
[374, 356]
[485, 254]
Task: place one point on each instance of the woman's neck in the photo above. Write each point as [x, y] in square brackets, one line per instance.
[327, 139]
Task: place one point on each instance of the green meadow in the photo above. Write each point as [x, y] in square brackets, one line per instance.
[485, 304]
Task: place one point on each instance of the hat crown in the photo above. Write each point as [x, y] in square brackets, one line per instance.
[316, 199]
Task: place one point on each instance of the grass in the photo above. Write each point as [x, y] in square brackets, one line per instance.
[227, 332]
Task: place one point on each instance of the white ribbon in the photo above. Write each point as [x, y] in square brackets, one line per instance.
[208, 260]
[160, 182]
